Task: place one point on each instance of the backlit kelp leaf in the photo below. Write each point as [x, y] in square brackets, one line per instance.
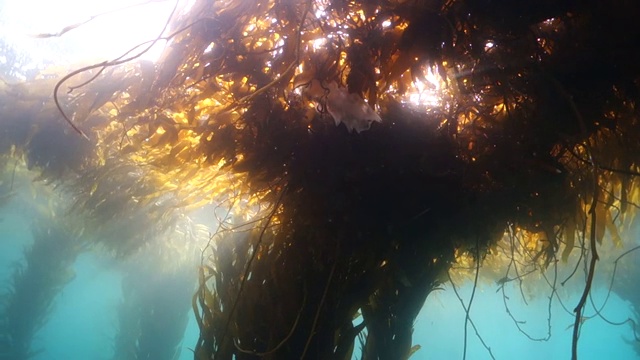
[601, 222]
[569, 237]
[414, 349]
[612, 227]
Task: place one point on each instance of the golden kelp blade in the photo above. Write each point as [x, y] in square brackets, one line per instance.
[569, 237]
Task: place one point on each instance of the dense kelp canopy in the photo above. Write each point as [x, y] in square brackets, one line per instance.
[357, 149]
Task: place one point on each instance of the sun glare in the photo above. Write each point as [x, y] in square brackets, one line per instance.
[426, 93]
[82, 30]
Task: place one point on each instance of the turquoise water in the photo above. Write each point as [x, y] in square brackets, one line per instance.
[83, 321]
[440, 328]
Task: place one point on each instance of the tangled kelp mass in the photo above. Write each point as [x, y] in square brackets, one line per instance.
[533, 128]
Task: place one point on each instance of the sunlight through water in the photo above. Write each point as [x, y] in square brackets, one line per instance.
[79, 30]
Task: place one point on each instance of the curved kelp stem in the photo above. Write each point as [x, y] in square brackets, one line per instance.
[102, 67]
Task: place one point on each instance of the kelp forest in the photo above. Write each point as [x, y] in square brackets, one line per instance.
[349, 158]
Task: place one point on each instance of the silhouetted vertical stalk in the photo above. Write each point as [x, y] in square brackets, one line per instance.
[47, 268]
[154, 312]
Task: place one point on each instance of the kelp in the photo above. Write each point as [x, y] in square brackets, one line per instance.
[534, 130]
[8, 185]
[28, 300]
[153, 314]
[32, 129]
[512, 149]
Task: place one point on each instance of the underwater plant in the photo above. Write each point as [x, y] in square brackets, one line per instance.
[473, 119]
[153, 314]
[157, 287]
[28, 300]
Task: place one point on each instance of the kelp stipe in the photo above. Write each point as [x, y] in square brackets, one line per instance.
[46, 269]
